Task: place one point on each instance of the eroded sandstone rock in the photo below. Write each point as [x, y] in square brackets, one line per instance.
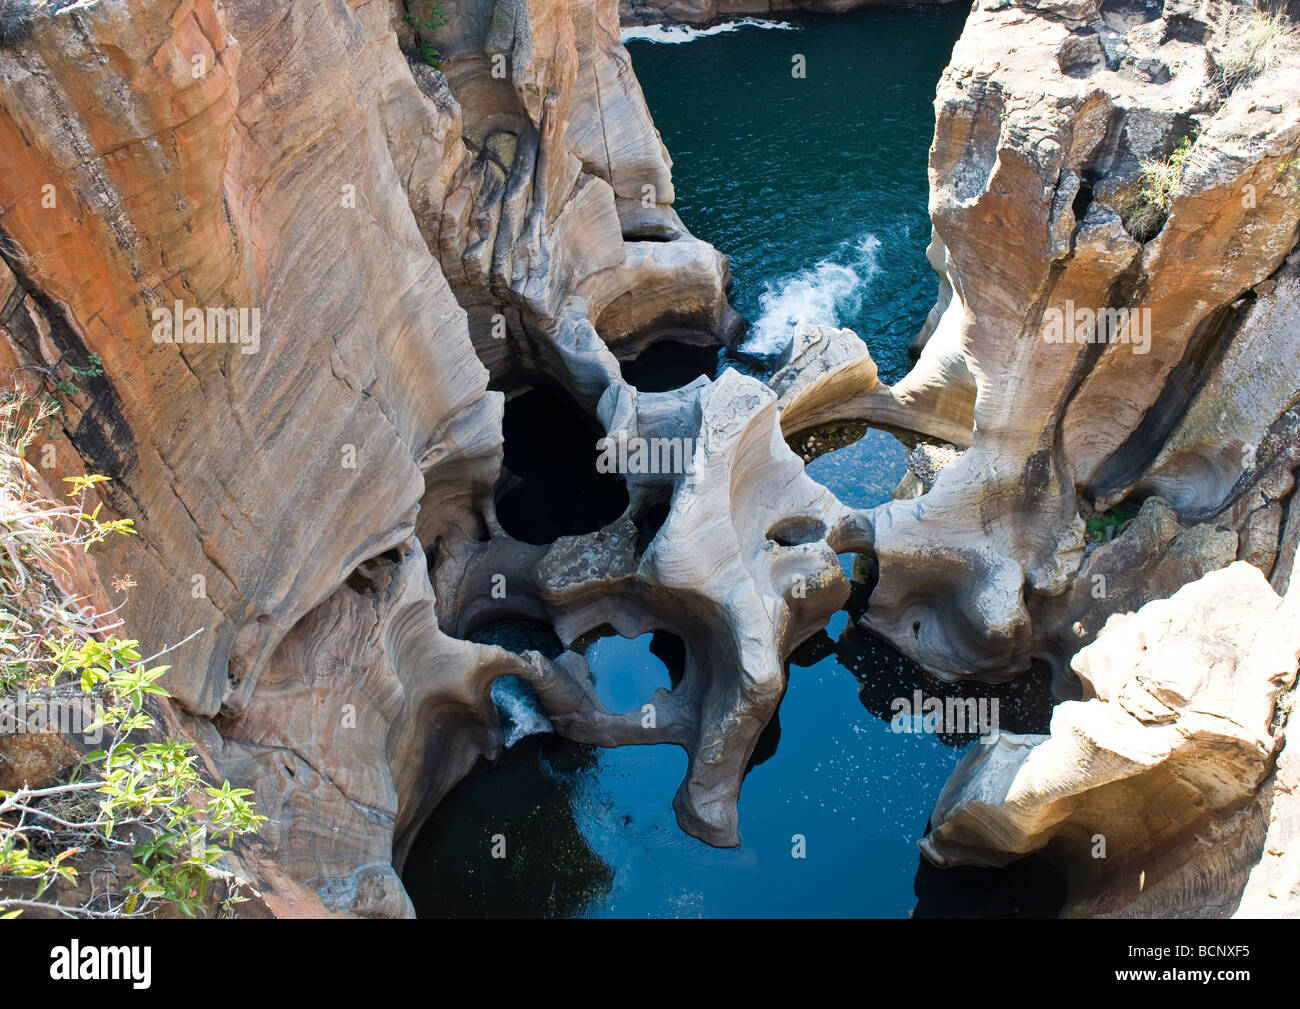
[1148, 792]
[1048, 119]
[290, 159]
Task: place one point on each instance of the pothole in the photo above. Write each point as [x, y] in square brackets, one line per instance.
[796, 531]
[668, 365]
[550, 451]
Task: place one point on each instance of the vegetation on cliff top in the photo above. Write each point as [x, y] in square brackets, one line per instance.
[1252, 43]
[1159, 182]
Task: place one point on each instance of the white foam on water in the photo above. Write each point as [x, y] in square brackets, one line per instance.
[827, 294]
[677, 34]
[514, 700]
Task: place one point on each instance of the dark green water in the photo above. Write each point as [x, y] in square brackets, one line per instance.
[815, 187]
[817, 190]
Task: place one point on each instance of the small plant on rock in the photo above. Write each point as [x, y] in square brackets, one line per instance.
[139, 803]
[1158, 184]
[1252, 43]
[429, 19]
[1111, 523]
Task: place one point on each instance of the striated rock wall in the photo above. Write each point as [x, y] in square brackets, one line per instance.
[318, 495]
[1099, 462]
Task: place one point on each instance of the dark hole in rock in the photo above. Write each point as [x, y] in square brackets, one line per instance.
[1028, 888]
[365, 576]
[648, 524]
[519, 634]
[668, 365]
[550, 445]
[1082, 200]
[651, 233]
[795, 531]
[359, 582]
[671, 651]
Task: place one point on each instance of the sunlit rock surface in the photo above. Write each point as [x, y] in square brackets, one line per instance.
[1046, 117]
[1150, 793]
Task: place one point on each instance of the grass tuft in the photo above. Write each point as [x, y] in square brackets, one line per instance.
[1159, 183]
[1253, 43]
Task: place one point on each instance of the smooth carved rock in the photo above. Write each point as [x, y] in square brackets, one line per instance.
[322, 505]
[1036, 162]
[1159, 768]
[742, 569]
[258, 481]
[827, 375]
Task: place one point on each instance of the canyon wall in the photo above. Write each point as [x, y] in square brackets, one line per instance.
[292, 160]
[1105, 366]
[314, 482]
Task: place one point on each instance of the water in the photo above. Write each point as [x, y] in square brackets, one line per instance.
[817, 190]
[589, 832]
[816, 187]
[676, 34]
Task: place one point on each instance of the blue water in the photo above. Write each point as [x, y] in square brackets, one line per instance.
[816, 188]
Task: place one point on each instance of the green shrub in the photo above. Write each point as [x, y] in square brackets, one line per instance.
[140, 795]
[429, 19]
[1117, 518]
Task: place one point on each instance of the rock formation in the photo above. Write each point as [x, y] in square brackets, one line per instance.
[299, 269]
[1118, 384]
[405, 235]
[1149, 792]
[1108, 355]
